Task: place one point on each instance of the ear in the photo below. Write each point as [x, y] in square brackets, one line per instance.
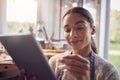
[93, 30]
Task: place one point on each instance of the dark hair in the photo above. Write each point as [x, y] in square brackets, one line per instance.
[83, 12]
[86, 14]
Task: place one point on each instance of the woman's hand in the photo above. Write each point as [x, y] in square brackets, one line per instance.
[76, 65]
[22, 75]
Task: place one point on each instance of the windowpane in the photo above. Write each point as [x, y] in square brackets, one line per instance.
[114, 50]
[21, 15]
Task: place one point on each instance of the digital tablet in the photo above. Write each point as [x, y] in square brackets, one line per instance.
[27, 55]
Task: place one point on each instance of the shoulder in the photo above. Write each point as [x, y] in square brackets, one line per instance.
[53, 60]
[105, 68]
[103, 63]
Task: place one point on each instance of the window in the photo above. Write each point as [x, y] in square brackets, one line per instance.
[114, 50]
[64, 6]
[21, 15]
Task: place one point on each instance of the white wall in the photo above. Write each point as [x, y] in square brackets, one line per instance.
[3, 20]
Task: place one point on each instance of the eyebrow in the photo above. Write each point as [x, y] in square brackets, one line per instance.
[66, 25]
[79, 22]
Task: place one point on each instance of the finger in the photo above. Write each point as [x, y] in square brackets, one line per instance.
[72, 61]
[34, 77]
[75, 63]
[73, 69]
[22, 75]
[76, 57]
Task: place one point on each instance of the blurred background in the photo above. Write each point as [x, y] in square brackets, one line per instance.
[43, 17]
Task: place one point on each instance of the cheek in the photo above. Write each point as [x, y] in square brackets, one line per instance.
[88, 37]
[84, 35]
[66, 36]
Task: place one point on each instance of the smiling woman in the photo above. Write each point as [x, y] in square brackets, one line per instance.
[81, 62]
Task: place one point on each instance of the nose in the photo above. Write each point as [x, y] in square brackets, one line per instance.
[73, 34]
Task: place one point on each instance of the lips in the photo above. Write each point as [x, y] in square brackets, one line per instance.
[74, 42]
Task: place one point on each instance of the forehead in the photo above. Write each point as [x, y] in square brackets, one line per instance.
[73, 17]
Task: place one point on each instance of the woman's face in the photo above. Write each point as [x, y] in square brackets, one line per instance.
[77, 31]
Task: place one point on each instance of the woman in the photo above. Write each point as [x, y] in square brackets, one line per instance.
[81, 63]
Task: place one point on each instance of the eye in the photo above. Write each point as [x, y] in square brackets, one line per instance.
[67, 30]
[80, 28]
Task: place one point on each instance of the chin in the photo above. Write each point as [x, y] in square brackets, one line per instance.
[77, 47]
